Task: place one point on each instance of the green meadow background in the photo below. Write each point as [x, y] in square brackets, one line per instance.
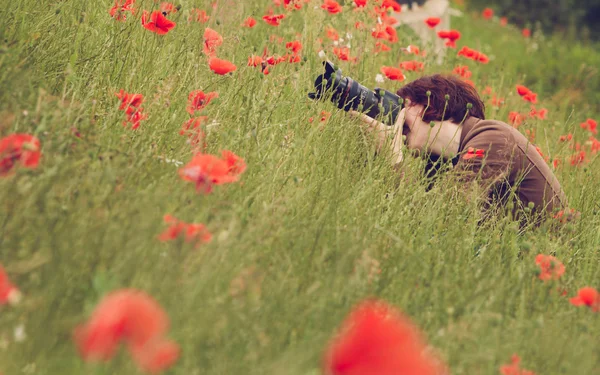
[316, 224]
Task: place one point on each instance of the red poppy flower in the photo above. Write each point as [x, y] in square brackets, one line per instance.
[526, 33]
[541, 113]
[452, 35]
[212, 40]
[331, 6]
[578, 158]
[273, 19]
[8, 291]
[473, 55]
[343, 53]
[193, 129]
[220, 66]
[206, 171]
[432, 22]
[382, 31]
[488, 13]
[132, 317]
[387, 4]
[381, 47]
[377, 339]
[474, 153]
[513, 368]
[565, 138]
[198, 100]
[16, 149]
[255, 61]
[192, 232]
[199, 15]
[550, 267]
[249, 22]
[167, 8]
[463, 71]
[587, 296]
[134, 117]
[360, 3]
[294, 46]
[129, 100]
[236, 165]
[121, 6]
[332, 33]
[413, 50]
[515, 119]
[413, 66]
[497, 101]
[324, 117]
[503, 21]
[395, 74]
[158, 23]
[590, 125]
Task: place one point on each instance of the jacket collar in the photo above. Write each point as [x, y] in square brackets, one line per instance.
[467, 126]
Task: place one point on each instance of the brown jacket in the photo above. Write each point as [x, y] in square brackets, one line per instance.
[505, 162]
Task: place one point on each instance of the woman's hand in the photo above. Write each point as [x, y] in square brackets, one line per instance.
[385, 135]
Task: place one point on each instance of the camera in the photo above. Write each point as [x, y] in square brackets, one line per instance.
[348, 95]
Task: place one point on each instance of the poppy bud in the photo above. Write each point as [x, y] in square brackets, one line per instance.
[469, 105]
[178, 7]
[428, 93]
[57, 11]
[531, 205]
[431, 124]
[400, 101]
[447, 97]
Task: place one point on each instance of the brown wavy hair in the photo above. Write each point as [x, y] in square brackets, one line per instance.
[459, 94]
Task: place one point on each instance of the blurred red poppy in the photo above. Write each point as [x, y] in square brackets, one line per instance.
[377, 339]
[192, 232]
[199, 15]
[15, 149]
[206, 171]
[360, 3]
[220, 66]
[463, 71]
[134, 117]
[590, 125]
[167, 8]
[8, 291]
[395, 74]
[118, 11]
[212, 40]
[391, 4]
[332, 33]
[273, 19]
[488, 13]
[526, 33]
[550, 267]
[198, 100]
[473, 55]
[587, 296]
[331, 6]
[432, 22]
[343, 53]
[129, 100]
[513, 368]
[192, 128]
[413, 66]
[249, 22]
[236, 165]
[132, 317]
[158, 23]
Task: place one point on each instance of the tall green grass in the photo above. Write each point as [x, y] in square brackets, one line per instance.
[317, 222]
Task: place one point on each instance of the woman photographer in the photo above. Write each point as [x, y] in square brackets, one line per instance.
[444, 118]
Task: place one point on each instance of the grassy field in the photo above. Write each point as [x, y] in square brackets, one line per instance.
[315, 224]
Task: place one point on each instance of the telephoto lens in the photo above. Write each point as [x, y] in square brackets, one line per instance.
[347, 94]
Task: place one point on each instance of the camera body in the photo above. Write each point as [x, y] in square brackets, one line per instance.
[347, 94]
